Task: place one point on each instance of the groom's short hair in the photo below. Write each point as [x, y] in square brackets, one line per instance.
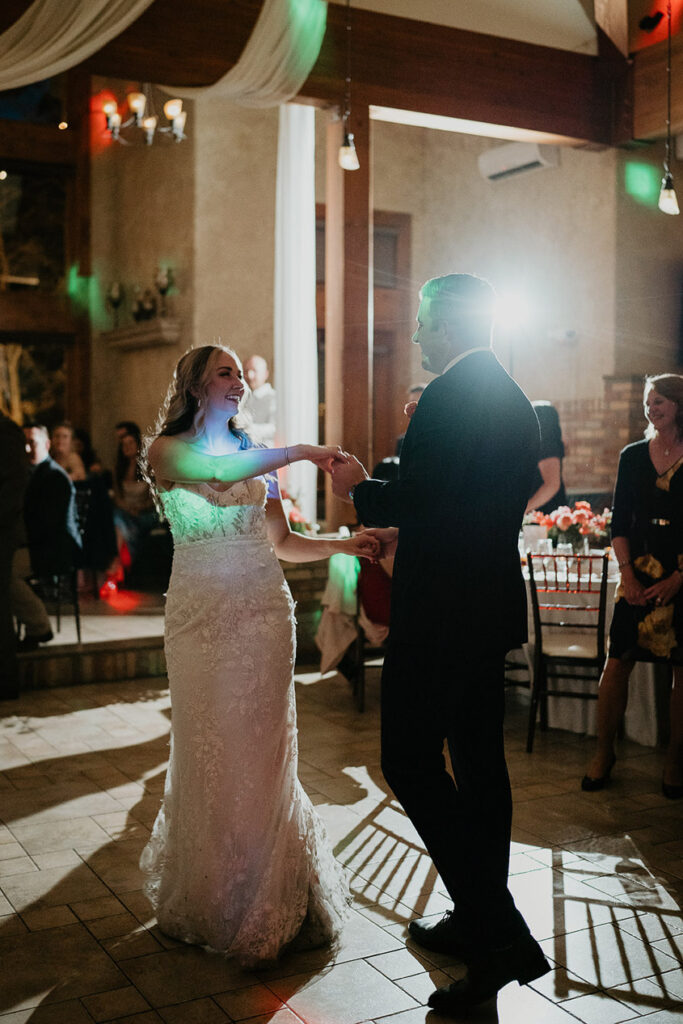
[463, 300]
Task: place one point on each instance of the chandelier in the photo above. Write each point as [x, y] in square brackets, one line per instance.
[143, 120]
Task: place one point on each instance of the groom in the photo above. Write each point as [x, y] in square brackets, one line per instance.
[458, 604]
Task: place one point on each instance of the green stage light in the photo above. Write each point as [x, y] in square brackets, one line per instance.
[642, 182]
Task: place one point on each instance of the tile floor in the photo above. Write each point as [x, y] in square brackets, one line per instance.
[598, 876]
[126, 615]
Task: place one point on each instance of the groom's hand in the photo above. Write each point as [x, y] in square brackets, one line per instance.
[386, 536]
[346, 475]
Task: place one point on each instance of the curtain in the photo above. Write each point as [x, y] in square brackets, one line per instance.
[295, 340]
[278, 58]
[54, 35]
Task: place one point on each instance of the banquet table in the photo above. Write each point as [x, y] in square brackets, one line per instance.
[580, 716]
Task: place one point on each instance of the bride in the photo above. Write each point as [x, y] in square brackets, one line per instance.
[238, 860]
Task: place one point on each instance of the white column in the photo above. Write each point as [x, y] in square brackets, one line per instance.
[295, 342]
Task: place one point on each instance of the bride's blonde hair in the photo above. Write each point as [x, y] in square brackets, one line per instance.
[182, 409]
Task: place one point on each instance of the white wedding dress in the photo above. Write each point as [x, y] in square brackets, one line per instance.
[238, 859]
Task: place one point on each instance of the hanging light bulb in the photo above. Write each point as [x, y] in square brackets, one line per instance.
[348, 158]
[668, 203]
[172, 108]
[149, 125]
[137, 101]
[109, 109]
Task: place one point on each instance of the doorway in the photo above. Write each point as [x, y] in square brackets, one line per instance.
[393, 300]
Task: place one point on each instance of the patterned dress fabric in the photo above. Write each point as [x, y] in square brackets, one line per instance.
[238, 860]
[648, 509]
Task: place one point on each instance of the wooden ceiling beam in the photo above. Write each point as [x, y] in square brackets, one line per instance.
[396, 62]
[612, 17]
[180, 42]
[649, 90]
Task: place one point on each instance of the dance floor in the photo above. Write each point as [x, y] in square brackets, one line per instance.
[598, 876]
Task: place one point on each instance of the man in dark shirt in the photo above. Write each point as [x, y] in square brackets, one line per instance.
[53, 541]
[466, 467]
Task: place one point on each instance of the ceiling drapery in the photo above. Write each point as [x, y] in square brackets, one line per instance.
[278, 58]
[54, 35]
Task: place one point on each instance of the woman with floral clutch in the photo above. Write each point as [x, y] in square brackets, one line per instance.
[647, 536]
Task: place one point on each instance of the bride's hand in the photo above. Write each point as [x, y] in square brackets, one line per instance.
[321, 455]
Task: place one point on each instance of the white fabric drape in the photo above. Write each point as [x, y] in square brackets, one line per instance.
[278, 58]
[295, 339]
[54, 35]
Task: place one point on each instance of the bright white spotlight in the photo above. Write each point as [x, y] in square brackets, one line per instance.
[512, 311]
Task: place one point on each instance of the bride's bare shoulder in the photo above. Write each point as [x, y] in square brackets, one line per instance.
[162, 443]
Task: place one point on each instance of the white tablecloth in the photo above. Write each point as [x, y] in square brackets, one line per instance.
[581, 715]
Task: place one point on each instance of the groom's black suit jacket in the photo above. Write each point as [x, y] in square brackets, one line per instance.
[466, 469]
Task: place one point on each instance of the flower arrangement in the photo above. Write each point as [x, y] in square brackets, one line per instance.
[578, 526]
[297, 520]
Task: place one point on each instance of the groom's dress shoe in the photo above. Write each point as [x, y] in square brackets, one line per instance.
[523, 962]
[442, 936]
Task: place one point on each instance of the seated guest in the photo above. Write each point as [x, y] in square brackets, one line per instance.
[548, 486]
[82, 445]
[414, 396]
[134, 512]
[366, 591]
[124, 427]
[13, 477]
[374, 578]
[53, 541]
[64, 453]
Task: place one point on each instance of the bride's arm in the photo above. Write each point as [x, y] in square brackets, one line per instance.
[173, 459]
[294, 547]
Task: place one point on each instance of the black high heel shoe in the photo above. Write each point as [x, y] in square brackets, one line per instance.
[591, 785]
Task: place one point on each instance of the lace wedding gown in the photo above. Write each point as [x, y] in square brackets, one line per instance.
[238, 859]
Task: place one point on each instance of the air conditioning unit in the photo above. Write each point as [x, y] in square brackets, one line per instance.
[516, 158]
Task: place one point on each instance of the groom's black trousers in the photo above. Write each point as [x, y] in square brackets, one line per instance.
[428, 696]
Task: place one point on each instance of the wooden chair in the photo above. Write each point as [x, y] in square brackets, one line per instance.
[569, 628]
[59, 589]
[62, 588]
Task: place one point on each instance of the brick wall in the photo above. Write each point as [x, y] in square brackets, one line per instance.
[307, 582]
[594, 432]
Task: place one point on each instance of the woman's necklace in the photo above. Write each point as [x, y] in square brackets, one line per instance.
[674, 444]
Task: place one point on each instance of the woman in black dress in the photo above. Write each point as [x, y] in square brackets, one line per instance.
[647, 535]
[548, 491]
